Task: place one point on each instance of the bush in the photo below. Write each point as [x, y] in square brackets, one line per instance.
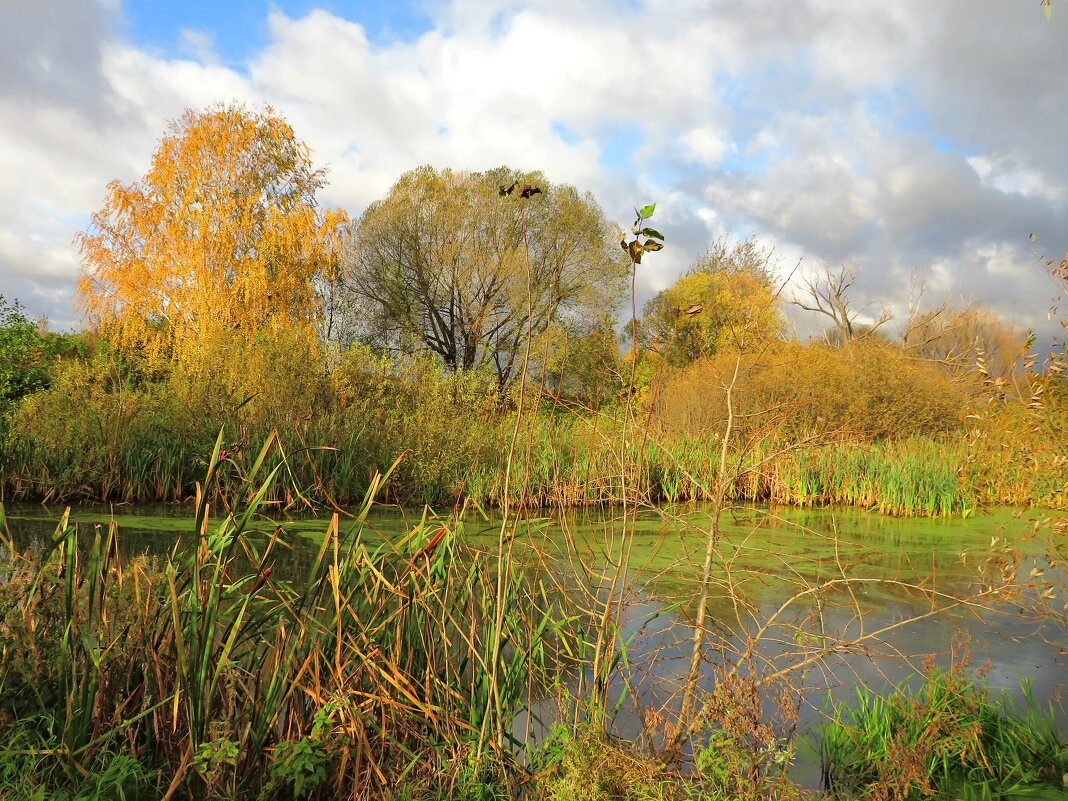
[870, 388]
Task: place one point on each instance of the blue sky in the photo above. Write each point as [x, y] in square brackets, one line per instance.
[239, 29]
[917, 142]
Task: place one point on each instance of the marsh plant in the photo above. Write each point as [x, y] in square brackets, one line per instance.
[942, 736]
[211, 672]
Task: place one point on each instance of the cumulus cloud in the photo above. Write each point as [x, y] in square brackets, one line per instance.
[902, 137]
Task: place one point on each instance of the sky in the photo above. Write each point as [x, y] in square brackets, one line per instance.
[916, 141]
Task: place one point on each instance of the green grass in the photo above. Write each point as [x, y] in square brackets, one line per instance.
[568, 467]
[946, 739]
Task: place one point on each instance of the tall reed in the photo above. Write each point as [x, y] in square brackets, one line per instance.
[214, 671]
[572, 462]
[942, 739]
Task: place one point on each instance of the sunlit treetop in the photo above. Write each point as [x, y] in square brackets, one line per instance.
[727, 299]
[221, 238]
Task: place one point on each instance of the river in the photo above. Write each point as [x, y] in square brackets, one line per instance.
[857, 600]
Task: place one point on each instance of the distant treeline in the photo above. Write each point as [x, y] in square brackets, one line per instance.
[218, 294]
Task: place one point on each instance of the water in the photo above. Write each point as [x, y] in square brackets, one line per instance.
[854, 600]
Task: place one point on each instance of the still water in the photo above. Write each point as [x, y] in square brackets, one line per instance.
[833, 600]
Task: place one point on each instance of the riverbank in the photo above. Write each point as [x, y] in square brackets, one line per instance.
[569, 462]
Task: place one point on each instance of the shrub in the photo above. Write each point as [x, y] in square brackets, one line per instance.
[869, 388]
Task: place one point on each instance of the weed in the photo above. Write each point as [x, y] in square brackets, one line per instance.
[943, 738]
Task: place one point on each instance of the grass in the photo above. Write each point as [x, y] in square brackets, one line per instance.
[945, 739]
[206, 674]
[918, 477]
[571, 464]
[29, 769]
[218, 679]
[145, 444]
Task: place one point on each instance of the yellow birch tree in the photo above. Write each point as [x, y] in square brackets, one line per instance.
[219, 244]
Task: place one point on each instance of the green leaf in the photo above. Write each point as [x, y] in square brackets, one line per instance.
[647, 211]
[651, 232]
[652, 246]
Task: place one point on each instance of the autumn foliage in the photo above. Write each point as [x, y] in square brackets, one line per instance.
[219, 294]
[220, 240]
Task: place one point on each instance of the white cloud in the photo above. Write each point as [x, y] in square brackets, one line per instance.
[895, 136]
[200, 45]
[1009, 176]
[706, 144]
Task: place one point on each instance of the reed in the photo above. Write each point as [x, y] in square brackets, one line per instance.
[225, 679]
[942, 739]
[573, 460]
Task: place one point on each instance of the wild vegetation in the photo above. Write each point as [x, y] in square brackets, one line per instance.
[870, 427]
[457, 346]
[946, 737]
[205, 670]
[401, 668]
[218, 294]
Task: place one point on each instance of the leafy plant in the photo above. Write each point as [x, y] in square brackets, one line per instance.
[298, 767]
[943, 738]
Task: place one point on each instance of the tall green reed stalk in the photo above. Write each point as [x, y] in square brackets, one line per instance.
[375, 663]
[943, 739]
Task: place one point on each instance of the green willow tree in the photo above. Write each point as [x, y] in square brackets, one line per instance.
[440, 264]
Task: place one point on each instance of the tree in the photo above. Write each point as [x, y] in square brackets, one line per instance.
[28, 353]
[440, 264]
[587, 366]
[957, 338]
[21, 348]
[726, 299]
[219, 241]
[828, 293]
